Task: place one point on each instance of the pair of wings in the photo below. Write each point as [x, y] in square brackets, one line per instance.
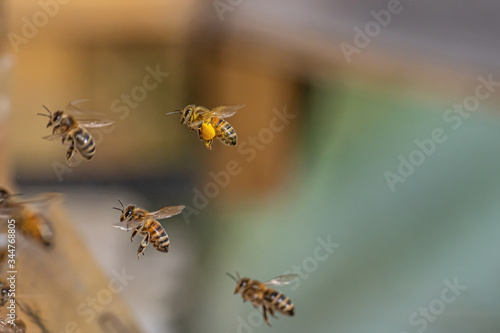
[8, 206]
[282, 280]
[163, 213]
[224, 111]
[72, 109]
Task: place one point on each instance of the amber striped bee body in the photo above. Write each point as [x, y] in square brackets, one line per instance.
[157, 235]
[259, 294]
[210, 124]
[145, 223]
[31, 223]
[224, 132]
[68, 129]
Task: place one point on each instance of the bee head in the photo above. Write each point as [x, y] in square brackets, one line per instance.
[54, 119]
[187, 113]
[126, 211]
[241, 284]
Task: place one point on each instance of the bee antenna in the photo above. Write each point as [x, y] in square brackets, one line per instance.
[176, 111]
[121, 203]
[45, 115]
[120, 209]
[232, 276]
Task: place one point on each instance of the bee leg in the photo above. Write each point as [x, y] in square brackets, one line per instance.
[70, 152]
[265, 315]
[142, 246]
[133, 234]
[271, 311]
[208, 144]
[200, 133]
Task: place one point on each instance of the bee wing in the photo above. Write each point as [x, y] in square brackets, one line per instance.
[94, 123]
[73, 109]
[53, 137]
[165, 212]
[282, 280]
[129, 225]
[225, 111]
[40, 201]
[6, 212]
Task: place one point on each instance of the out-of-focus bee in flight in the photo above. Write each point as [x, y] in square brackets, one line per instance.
[4, 292]
[68, 129]
[29, 222]
[17, 327]
[146, 224]
[211, 124]
[259, 294]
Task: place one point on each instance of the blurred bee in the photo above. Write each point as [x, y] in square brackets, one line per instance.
[259, 294]
[17, 327]
[211, 124]
[67, 128]
[4, 292]
[146, 224]
[31, 223]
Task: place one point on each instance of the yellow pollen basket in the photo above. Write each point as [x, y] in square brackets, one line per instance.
[207, 131]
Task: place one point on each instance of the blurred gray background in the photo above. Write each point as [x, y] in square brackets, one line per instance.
[367, 84]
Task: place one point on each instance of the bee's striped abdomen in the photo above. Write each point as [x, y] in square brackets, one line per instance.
[225, 132]
[85, 143]
[158, 236]
[279, 302]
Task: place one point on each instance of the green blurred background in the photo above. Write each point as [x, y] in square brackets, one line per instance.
[323, 176]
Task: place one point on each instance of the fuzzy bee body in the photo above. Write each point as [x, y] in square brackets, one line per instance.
[145, 223]
[210, 124]
[68, 129]
[157, 235]
[30, 222]
[260, 294]
[279, 302]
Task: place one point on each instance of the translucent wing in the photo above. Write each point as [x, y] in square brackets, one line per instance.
[129, 225]
[282, 280]
[41, 202]
[165, 212]
[41, 199]
[53, 137]
[95, 123]
[6, 212]
[73, 109]
[225, 111]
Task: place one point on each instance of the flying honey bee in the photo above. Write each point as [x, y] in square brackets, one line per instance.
[30, 222]
[259, 294]
[146, 224]
[67, 128]
[211, 124]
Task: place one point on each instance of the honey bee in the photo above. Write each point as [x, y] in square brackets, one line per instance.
[31, 223]
[146, 224]
[211, 124]
[67, 128]
[259, 294]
